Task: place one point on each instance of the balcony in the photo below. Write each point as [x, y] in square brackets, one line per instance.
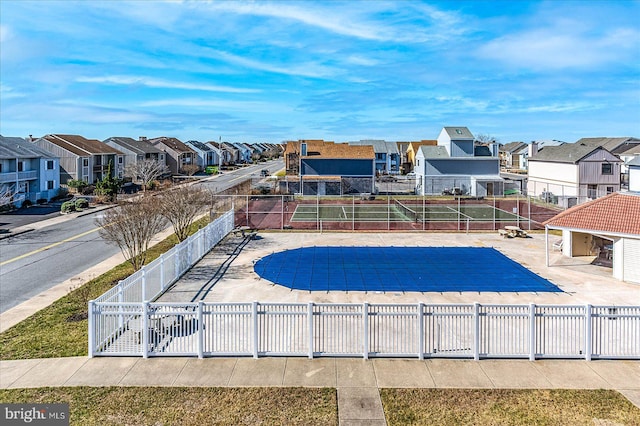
[18, 176]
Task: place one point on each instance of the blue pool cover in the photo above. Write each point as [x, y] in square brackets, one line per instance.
[394, 269]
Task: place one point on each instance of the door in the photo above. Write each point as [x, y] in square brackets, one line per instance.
[489, 188]
[630, 264]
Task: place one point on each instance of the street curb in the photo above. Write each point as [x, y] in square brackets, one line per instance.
[13, 234]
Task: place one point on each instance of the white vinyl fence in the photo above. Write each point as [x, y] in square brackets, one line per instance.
[153, 279]
[364, 330]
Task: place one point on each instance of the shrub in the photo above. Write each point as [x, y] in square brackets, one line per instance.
[81, 203]
[68, 207]
[76, 184]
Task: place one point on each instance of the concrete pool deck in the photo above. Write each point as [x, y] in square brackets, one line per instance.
[226, 274]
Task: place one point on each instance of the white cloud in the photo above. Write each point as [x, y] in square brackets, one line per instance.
[306, 70]
[336, 23]
[125, 80]
[5, 33]
[216, 103]
[361, 60]
[557, 48]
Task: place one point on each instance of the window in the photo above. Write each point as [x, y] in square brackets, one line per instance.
[609, 189]
[607, 168]
[303, 149]
[20, 166]
[50, 184]
[85, 162]
[0, 167]
[119, 160]
[49, 164]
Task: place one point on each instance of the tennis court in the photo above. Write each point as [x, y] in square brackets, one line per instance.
[401, 212]
[400, 269]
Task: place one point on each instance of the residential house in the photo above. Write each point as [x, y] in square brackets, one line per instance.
[634, 174]
[136, 151]
[412, 150]
[222, 155]
[627, 154]
[233, 153]
[27, 172]
[387, 155]
[405, 165]
[571, 174]
[457, 166]
[83, 159]
[206, 154]
[245, 153]
[327, 168]
[613, 145]
[607, 228]
[513, 157]
[178, 155]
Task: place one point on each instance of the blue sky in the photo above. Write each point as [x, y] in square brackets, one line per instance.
[273, 71]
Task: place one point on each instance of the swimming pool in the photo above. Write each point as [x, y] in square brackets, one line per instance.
[400, 269]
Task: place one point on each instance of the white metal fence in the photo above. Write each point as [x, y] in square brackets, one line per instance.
[364, 330]
[153, 279]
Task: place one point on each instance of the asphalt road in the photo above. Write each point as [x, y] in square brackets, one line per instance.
[38, 260]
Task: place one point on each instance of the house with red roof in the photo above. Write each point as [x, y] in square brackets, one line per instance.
[608, 228]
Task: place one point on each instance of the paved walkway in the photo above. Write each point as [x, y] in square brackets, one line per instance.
[356, 380]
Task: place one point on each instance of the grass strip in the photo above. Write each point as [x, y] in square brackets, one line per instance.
[187, 405]
[507, 407]
[59, 330]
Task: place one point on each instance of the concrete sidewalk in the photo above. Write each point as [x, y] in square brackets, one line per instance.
[356, 380]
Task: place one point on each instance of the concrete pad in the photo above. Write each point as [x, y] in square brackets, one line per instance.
[258, 372]
[154, 372]
[358, 404]
[402, 373]
[355, 373]
[619, 374]
[50, 372]
[206, 372]
[368, 422]
[515, 374]
[458, 373]
[631, 395]
[102, 371]
[319, 372]
[564, 374]
[10, 371]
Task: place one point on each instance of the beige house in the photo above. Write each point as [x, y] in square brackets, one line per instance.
[571, 174]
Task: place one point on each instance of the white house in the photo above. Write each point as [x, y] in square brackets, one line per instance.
[457, 166]
[27, 172]
[608, 228]
[571, 174]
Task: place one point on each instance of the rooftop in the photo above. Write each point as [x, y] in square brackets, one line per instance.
[13, 147]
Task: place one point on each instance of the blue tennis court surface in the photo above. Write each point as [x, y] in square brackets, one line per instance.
[420, 269]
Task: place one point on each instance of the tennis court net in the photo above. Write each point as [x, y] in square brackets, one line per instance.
[407, 211]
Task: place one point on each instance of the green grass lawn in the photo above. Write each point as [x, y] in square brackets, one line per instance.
[187, 406]
[59, 330]
[507, 407]
[318, 406]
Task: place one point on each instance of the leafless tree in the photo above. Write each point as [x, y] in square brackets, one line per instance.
[485, 139]
[131, 226]
[190, 169]
[146, 171]
[181, 206]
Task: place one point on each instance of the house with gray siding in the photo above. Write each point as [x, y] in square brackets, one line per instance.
[83, 159]
[634, 174]
[178, 155]
[317, 167]
[136, 151]
[387, 155]
[457, 166]
[571, 174]
[27, 172]
[206, 155]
